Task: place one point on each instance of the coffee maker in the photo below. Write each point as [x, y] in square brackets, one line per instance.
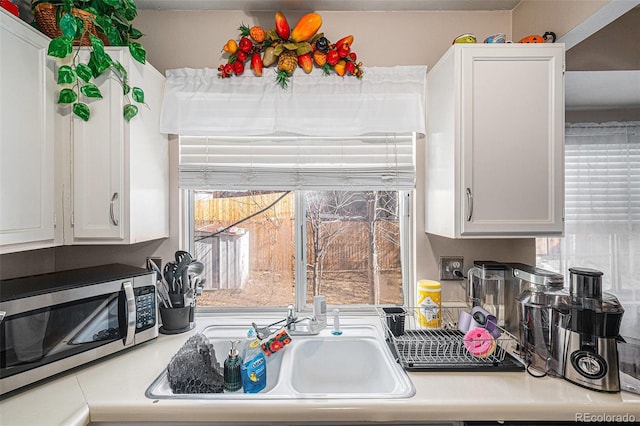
[540, 294]
[486, 287]
[590, 332]
[497, 287]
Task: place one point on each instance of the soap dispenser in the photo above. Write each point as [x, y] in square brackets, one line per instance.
[232, 380]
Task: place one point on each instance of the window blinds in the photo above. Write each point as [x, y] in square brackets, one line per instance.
[602, 177]
[602, 210]
[382, 161]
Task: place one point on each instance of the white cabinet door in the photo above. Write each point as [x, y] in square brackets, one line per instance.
[120, 169]
[26, 138]
[512, 132]
[496, 142]
[98, 167]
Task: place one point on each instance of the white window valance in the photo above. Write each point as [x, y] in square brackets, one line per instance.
[386, 100]
[384, 162]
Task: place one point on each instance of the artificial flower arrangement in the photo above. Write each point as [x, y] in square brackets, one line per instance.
[286, 49]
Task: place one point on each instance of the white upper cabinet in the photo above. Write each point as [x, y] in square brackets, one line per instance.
[27, 99]
[119, 169]
[63, 180]
[495, 146]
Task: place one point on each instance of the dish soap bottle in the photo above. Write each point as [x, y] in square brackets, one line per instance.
[232, 380]
[253, 370]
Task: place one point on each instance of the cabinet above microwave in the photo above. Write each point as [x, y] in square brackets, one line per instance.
[65, 181]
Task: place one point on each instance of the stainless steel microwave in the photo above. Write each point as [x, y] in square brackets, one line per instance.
[53, 322]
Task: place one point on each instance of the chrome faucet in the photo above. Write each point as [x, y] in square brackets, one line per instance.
[291, 318]
[307, 326]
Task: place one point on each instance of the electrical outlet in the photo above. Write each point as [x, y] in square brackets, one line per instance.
[450, 264]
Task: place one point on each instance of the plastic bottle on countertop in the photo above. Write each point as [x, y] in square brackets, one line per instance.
[253, 370]
[429, 304]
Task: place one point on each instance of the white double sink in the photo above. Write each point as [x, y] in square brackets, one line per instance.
[356, 364]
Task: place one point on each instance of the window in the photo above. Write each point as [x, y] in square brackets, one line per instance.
[602, 211]
[326, 134]
[279, 219]
[293, 245]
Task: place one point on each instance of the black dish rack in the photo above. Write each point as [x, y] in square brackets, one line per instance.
[442, 349]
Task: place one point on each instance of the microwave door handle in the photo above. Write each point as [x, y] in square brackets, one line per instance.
[131, 313]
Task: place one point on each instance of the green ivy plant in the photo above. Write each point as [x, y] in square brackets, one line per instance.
[113, 18]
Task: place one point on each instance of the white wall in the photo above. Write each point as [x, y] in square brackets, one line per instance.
[195, 39]
[559, 16]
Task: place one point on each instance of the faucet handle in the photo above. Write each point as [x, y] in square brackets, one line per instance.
[291, 318]
[291, 313]
[261, 332]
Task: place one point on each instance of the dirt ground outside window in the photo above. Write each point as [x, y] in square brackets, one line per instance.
[340, 288]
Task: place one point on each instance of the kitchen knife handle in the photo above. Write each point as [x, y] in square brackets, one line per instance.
[131, 312]
[114, 197]
[469, 204]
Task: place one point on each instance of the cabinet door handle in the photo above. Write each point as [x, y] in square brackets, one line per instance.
[114, 198]
[469, 204]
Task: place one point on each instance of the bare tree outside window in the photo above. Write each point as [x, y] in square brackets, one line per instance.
[326, 212]
[352, 247]
[353, 240]
[384, 228]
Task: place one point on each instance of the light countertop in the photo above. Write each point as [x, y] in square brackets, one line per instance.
[113, 391]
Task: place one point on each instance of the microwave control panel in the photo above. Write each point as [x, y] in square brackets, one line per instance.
[145, 307]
